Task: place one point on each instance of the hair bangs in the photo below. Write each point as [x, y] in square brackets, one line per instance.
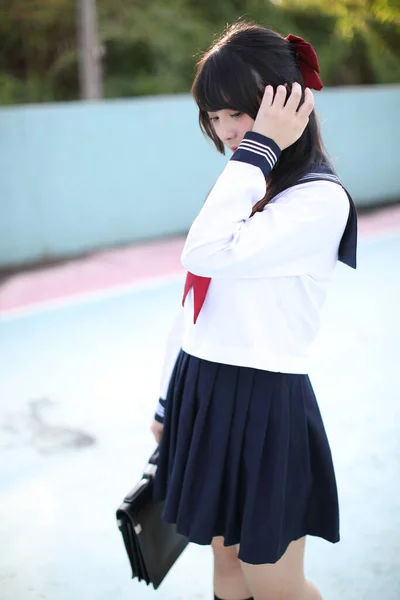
[224, 82]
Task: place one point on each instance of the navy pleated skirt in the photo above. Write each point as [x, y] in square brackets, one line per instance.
[244, 455]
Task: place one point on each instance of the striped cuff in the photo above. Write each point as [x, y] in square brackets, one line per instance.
[160, 412]
[258, 150]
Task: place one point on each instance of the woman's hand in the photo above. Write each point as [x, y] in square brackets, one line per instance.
[157, 430]
[283, 123]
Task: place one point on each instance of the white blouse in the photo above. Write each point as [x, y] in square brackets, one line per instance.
[269, 272]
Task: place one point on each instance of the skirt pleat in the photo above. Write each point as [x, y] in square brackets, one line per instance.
[244, 455]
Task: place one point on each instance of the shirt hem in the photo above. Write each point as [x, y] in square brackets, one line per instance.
[248, 357]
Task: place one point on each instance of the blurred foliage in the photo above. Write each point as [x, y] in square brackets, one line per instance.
[151, 47]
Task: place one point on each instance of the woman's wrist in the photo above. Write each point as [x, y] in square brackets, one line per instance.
[160, 412]
[258, 150]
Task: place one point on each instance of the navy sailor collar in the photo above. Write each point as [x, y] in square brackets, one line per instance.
[347, 252]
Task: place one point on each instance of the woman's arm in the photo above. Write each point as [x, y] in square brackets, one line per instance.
[174, 344]
[283, 240]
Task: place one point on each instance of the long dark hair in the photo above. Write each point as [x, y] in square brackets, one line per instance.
[233, 74]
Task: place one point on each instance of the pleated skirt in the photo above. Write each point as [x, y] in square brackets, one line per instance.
[244, 455]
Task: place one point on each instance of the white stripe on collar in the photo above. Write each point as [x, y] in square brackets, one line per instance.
[327, 176]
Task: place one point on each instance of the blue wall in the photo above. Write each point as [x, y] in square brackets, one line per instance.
[79, 176]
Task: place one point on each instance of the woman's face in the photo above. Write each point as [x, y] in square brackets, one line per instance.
[230, 126]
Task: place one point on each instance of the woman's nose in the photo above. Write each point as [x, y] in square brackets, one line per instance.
[227, 133]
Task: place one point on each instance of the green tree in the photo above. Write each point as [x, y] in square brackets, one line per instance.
[38, 57]
[152, 47]
[362, 38]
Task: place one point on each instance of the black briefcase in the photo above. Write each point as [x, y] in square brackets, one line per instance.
[152, 545]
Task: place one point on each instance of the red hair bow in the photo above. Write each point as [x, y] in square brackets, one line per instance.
[308, 61]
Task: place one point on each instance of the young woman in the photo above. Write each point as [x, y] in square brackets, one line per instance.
[245, 464]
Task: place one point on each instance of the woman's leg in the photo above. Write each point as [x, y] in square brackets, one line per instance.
[283, 580]
[229, 581]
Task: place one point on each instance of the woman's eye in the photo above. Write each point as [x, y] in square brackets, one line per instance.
[216, 119]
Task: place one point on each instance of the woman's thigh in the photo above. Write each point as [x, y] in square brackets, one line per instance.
[229, 581]
[283, 580]
[227, 555]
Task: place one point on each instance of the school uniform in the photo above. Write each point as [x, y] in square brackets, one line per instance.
[244, 453]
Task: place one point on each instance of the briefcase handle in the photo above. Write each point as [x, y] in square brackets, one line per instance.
[151, 467]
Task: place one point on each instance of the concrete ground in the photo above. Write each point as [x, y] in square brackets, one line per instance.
[81, 347]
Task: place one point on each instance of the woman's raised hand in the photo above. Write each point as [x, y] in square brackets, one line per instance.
[283, 123]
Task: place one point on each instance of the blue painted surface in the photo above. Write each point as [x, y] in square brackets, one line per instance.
[77, 177]
[361, 130]
[97, 365]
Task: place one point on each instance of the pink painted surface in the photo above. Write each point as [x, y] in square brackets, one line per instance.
[130, 265]
[100, 271]
[384, 221]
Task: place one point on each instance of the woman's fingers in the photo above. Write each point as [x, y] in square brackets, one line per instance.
[295, 98]
[277, 100]
[307, 107]
[268, 97]
[280, 96]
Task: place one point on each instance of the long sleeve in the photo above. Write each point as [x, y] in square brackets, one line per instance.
[174, 344]
[283, 240]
